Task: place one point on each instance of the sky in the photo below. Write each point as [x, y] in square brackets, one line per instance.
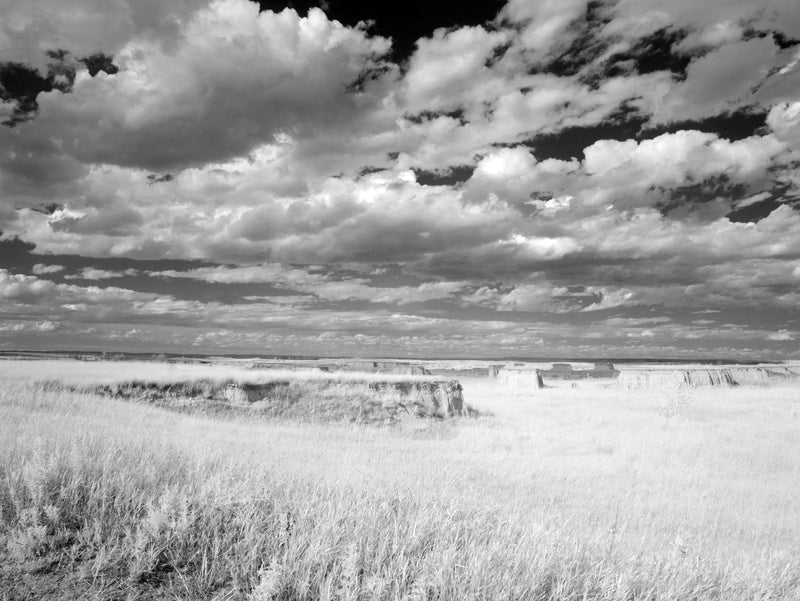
[530, 178]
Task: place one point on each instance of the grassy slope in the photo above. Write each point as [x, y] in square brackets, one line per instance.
[579, 494]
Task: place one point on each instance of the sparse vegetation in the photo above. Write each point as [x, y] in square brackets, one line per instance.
[587, 493]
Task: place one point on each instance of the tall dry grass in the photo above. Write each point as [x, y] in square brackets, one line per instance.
[575, 494]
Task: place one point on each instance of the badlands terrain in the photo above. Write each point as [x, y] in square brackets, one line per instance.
[451, 480]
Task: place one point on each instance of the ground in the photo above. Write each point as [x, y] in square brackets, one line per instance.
[568, 492]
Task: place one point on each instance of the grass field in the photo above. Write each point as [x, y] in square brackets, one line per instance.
[571, 493]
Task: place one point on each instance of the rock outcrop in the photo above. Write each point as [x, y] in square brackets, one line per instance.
[712, 376]
[344, 365]
[520, 378]
[424, 399]
[464, 372]
[367, 401]
[565, 371]
[381, 367]
[604, 369]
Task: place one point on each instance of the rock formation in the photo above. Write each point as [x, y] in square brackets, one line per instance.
[565, 371]
[712, 376]
[426, 399]
[464, 372]
[377, 402]
[520, 378]
[604, 369]
[362, 366]
[382, 367]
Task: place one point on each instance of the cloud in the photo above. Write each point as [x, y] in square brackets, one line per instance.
[784, 120]
[29, 326]
[712, 36]
[319, 284]
[531, 297]
[763, 15]
[449, 70]
[545, 24]
[298, 163]
[400, 295]
[152, 107]
[751, 200]
[91, 273]
[687, 155]
[19, 287]
[159, 321]
[86, 26]
[609, 297]
[36, 297]
[42, 269]
[112, 221]
[720, 81]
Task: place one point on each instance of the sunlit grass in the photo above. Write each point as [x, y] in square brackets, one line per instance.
[587, 493]
[73, 372]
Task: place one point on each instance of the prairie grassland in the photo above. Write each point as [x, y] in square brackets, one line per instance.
[73, 372]
[587, 493]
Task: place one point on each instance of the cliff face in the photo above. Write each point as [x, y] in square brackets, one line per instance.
[520, 378]
[728, 376]
[424, 399]
[372, 402]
